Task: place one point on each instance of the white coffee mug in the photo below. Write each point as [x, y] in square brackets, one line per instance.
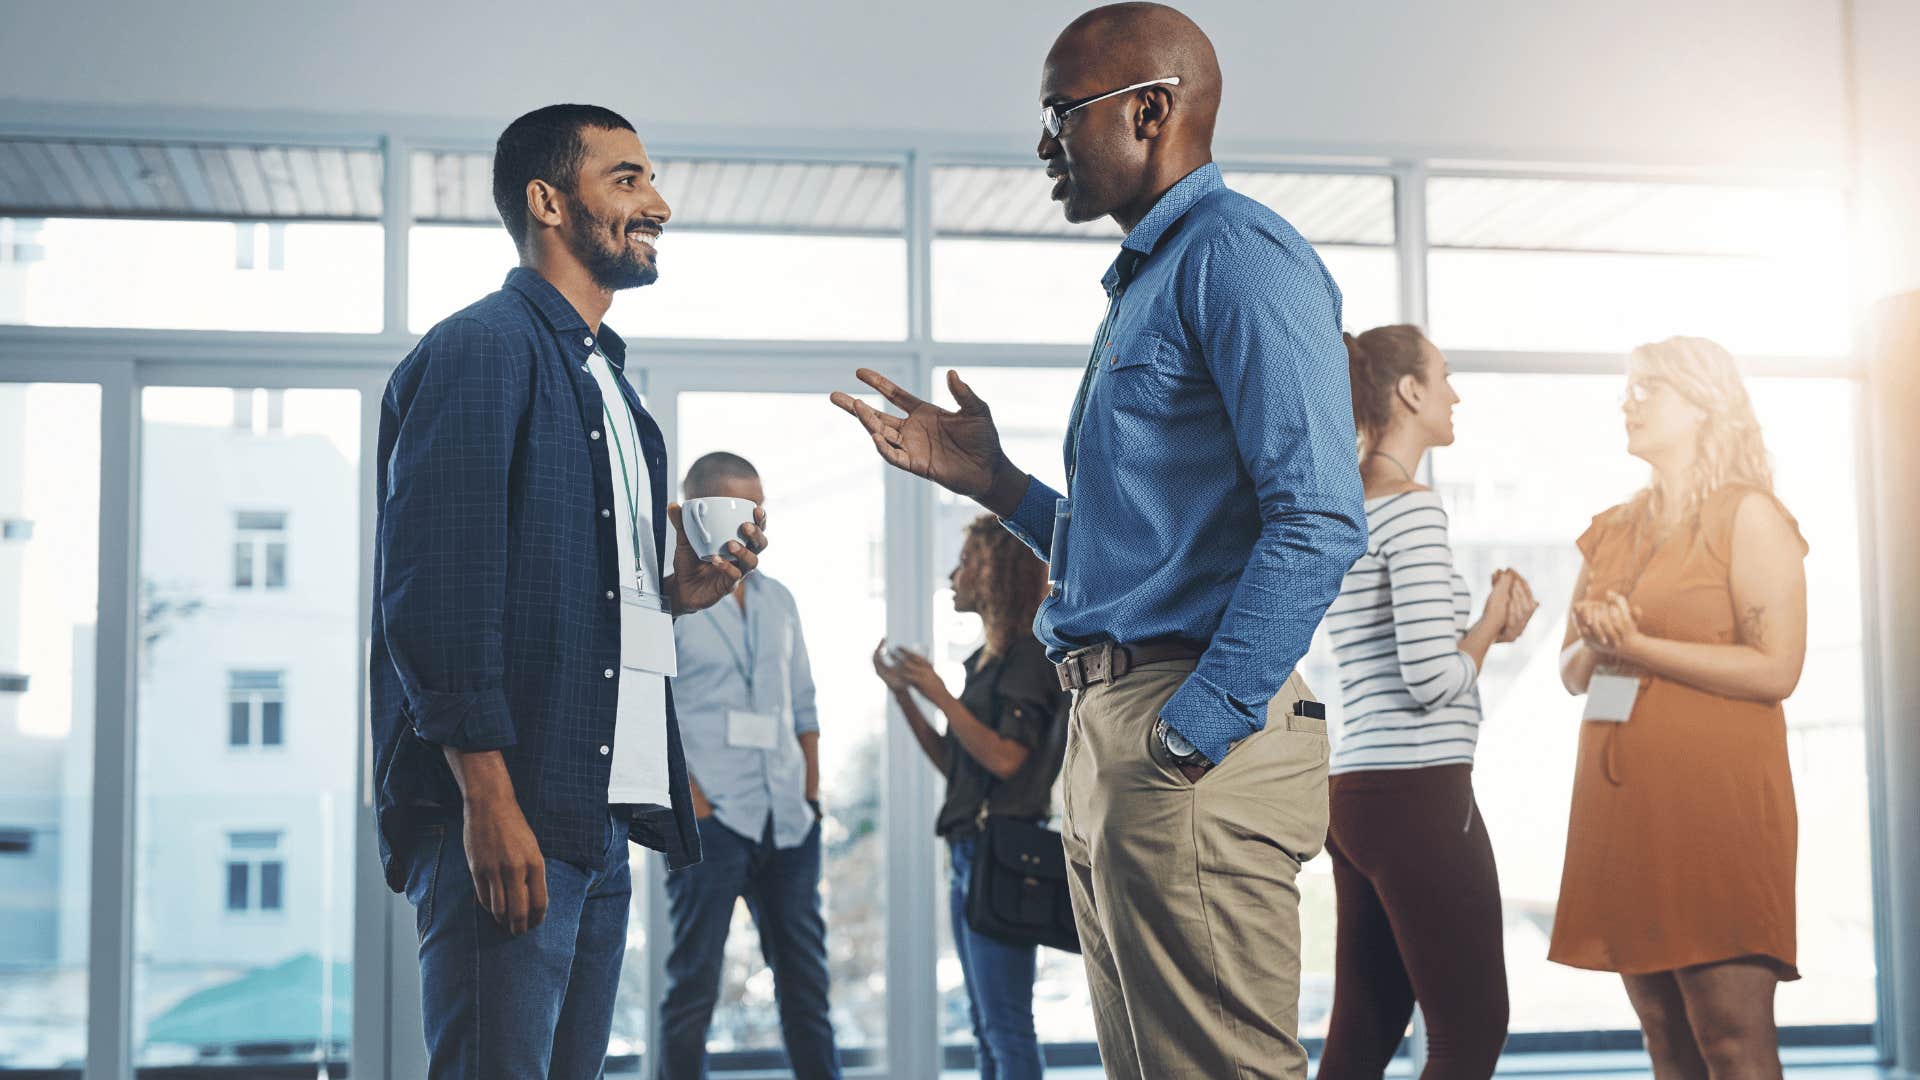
[713, 521]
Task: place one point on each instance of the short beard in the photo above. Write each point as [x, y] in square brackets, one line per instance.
[613, 268]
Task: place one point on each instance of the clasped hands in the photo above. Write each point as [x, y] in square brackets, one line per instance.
[1610, 626]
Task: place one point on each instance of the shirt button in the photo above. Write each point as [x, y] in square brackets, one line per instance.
[593, 435]
[606, 513]
[608, 673]
[605, 750]
[609, 594]
[587, 341]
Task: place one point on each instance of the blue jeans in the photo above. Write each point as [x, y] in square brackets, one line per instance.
[999, 984]
[782, 888]
[537, 1005]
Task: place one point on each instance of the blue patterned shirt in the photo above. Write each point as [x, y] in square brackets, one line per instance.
[1216, 495]
[496, 614]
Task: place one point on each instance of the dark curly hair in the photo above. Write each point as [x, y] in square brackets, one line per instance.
[1011, 583]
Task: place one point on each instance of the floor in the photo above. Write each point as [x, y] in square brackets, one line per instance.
[1810, 1063]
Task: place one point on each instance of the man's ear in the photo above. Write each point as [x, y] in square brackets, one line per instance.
[1153, 112]
[544, 204]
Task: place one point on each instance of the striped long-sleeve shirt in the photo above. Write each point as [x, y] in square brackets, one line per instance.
[1407, 689]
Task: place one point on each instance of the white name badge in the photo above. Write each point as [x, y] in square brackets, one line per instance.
[646, 635]
[1610, 697]
[752, 730]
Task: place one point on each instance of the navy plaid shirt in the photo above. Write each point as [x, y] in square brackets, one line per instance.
[496, 614]
[1216, 496]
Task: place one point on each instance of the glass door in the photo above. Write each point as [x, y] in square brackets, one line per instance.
[826, 505]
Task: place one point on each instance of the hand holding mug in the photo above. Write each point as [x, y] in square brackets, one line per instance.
[890, 672]
[920, 675]
[700, 581]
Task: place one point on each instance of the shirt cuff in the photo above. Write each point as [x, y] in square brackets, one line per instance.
[1032, 520]
[479, 720]
[1208, 717]
[806, 720]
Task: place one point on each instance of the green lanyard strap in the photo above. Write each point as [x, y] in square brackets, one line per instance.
[640, 552]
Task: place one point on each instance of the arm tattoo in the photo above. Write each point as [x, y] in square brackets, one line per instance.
[1753, 626]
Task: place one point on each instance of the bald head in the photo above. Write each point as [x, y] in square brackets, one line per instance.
[1117, 156]
[1130, 43]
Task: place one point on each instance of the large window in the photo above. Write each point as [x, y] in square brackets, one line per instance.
[248, 581]
[186, 275]
[759, 250]
[243, 864]
[190, 235]
[1605, 265]
[50, 477]
[1008, 267]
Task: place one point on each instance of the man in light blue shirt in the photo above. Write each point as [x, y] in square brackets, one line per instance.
[752, 735]
[1213, 506]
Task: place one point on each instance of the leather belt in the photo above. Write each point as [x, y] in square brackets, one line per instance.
[1107, 662]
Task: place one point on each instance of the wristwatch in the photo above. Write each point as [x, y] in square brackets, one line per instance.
[1178, 748]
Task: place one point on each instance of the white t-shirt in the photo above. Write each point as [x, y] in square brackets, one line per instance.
[639, 773]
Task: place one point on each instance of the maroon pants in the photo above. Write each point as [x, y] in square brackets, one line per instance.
[1418, 901]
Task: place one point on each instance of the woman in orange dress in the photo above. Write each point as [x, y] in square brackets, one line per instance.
[1688, 629]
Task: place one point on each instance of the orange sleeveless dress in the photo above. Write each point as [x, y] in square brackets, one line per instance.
[1683, 833]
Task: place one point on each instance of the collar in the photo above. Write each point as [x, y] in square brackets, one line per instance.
[563, 318]
[1150, 230]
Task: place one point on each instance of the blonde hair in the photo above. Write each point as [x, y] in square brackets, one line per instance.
[1730, 448]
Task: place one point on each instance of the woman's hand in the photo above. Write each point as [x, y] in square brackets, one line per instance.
[920, 675]
[1520, 605]
[1610, 627]
[1498, 610]
[890, 673]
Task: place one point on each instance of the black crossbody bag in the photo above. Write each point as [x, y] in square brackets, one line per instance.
[1018, 889]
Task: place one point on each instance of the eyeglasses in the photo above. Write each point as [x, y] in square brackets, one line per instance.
[1639, 390]
[1053, 117]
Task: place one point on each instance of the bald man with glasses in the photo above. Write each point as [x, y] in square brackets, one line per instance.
[1213, 506]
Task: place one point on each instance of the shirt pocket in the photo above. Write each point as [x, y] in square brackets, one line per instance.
[1142, 349]
[1136, 382]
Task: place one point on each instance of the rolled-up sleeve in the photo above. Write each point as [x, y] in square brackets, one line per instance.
[443, 533]
[1268, 322]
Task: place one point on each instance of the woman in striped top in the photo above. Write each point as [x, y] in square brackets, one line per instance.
[1417, 894]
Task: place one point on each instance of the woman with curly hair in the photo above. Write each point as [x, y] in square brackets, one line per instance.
[1688, 628]
[1000, 753]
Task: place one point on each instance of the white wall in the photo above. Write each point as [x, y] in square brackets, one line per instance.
[1699, 82]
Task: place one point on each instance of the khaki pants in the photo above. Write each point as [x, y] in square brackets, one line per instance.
[1184, 892]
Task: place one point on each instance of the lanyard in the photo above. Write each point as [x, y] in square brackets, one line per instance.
[743, 664]
[642, 547]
